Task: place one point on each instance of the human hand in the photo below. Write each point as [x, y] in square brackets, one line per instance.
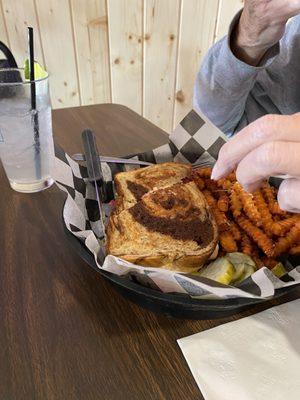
[268, 146]
[261, 25]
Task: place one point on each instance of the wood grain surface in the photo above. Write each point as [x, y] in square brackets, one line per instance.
[140, 53]
[55, 23]
[161, 34]
[90, 27]
[65, 334]
[16, 13]
[126, 52]
[195, 38]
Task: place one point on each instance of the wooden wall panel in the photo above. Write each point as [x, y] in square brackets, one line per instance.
[197, 30]
[3, 33]
[91, 44]
[19, 15]
[141, 53]
[227, 10]
[161, 42]
[126, 57]
[58, 45]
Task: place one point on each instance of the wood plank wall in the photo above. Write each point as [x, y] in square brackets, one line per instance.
[141, 53]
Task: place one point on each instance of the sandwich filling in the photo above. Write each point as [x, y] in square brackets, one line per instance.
[136, 189]
[172, 212]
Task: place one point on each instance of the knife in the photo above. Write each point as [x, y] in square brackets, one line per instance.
[112, 160]
[94, 171]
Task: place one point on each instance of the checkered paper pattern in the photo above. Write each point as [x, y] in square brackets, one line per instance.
[196, 141]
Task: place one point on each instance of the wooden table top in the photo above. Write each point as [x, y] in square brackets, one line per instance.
[65, 333]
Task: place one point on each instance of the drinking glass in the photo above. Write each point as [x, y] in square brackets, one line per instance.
[26, 141]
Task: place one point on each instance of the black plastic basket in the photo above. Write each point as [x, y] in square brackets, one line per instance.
[175, 305]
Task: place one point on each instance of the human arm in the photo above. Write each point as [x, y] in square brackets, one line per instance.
[232, 67]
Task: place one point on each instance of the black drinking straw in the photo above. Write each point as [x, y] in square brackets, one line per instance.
[35, 121]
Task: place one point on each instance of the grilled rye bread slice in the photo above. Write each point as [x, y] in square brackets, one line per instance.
[131, 186]
[171, 227]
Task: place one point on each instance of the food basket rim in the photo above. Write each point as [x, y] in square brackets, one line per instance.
[178, 299]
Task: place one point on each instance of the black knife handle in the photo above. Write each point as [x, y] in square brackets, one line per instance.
[91, 156]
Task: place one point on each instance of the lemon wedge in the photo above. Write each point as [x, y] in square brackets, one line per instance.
[39, 72]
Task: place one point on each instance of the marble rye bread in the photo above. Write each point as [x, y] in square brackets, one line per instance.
[131, 186]
[171, 226]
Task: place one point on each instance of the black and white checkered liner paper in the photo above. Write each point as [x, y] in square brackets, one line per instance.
[194, 141]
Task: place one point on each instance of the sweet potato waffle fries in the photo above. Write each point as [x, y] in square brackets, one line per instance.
[250, 223]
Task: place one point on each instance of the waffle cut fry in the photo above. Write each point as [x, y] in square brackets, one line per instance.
[249, 206]
[252, 224]
[270, 196]
[203, 172]
[285, 243]
[277, 210]
[232, 176]
[235, 231]
[211, 185]
[228, 243]
[224, 184]
[200, 183]
[281, 227]
[211, 201]
[269, 262]
[295, 250]
[266, 216]
[220, 217]
[223, 202]
[257, 235]
[194, 176]
[235, 203]
[259, 263]
[246, 245]
[256, 256]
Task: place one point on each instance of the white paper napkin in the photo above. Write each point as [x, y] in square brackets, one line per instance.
[255, 358]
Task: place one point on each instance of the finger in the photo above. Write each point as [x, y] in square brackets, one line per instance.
[269, 159]
[289, 195]
[266, 129]
[284, 9]
[292, 7]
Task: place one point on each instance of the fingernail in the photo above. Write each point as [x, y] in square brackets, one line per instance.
[287, 209]
[293, 210]
[216, 173]
[285, 206]
[247, 188]
[251, 188]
